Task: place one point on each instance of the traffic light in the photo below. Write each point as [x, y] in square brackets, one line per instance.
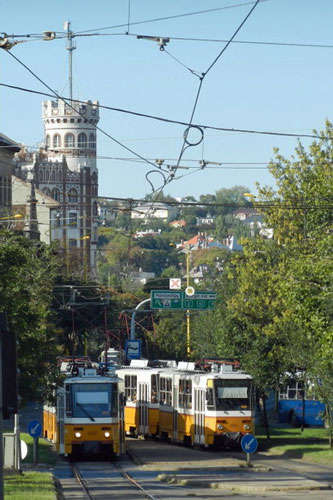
[9, 368]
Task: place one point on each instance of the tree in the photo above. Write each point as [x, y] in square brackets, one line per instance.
[28, 270]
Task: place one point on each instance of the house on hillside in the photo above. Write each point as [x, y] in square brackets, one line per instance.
[153, 211]
[177, 223]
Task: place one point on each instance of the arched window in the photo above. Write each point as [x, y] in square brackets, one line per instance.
[53, 176]
[48, 141]
[60, 175]
[46, 191]
[72, 195]
[56, 141]
[56, 194]
[47, 175]
[92, 141]
[41, 175]
[69, 141]
[82, 140]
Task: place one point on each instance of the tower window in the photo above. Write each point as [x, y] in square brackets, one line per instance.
[48, 141]
[92, 141]
[56, 141]
[69, 141]
[82, 140]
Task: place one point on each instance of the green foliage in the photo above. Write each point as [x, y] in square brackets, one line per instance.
[27, 270]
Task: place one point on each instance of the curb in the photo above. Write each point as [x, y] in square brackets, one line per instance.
[244, 489]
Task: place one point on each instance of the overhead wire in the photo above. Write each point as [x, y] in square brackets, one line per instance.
[169, 120]
[166, 18]
[55, 94]
[185, 142]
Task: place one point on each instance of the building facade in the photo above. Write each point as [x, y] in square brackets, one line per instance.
[7, 150]
[65, 170]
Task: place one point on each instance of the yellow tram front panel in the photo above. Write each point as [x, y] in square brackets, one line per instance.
[217, 426]
[76, 434]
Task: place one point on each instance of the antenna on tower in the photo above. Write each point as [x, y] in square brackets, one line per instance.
[70, 47]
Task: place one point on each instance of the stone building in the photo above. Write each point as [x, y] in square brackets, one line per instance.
[65, 170]
[7, 150]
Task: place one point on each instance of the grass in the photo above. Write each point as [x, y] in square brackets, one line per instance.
[46, 453]
[30, 485]
[311, 445]
[33, 485]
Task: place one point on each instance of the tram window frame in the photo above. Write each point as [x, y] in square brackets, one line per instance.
[185, 393]
[68, 401]
[130, 384]
[154, 388]
[166, 391]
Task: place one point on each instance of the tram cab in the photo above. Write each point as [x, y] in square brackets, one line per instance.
[88, 416]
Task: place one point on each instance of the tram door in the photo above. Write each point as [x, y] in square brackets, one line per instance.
[199, 416]
[143, 408]
[61, 423]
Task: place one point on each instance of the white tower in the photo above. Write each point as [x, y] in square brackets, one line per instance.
[71, 177]
[70, 131]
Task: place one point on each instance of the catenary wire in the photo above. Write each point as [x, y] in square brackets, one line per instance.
[184, 146]
[168, 120]
[68, 103]
[165, 18]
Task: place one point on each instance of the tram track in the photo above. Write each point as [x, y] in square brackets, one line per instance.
[108, 480]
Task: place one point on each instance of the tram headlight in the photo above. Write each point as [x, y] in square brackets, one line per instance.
[246, 427]
[106, 434]
[78, 435]
[219, 427]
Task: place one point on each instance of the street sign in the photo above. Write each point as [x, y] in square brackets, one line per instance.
[133, 348]
[200, 300]
[35, 428]
[175, 283]
[166, 299]
[249, 443]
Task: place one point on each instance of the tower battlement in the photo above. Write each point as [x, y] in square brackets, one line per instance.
[59, 109]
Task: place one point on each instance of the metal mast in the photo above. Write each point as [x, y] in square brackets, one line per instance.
[70, 47]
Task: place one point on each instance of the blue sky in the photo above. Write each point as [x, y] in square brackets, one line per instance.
[252, 86]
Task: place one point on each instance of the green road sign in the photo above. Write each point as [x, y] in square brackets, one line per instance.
[167, 299]
[200, 300]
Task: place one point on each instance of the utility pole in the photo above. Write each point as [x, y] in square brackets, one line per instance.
[188, 320]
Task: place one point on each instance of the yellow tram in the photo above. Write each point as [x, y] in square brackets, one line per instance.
[211, 406]
[88, 417]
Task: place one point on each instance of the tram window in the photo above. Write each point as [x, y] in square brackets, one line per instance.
[165, 391]
[154, 388]
[130, 387]
[232, 394]
[68, 402]
[93, 400]
[185, 393]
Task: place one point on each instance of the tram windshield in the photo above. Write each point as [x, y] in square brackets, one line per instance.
[91, 400]
[232, 395]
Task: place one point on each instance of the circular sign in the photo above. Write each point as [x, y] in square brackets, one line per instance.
[24, 449]
[35, 428]
[189, 291]
[249, 443]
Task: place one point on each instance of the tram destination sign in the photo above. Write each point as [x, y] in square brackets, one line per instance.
[167, 299]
